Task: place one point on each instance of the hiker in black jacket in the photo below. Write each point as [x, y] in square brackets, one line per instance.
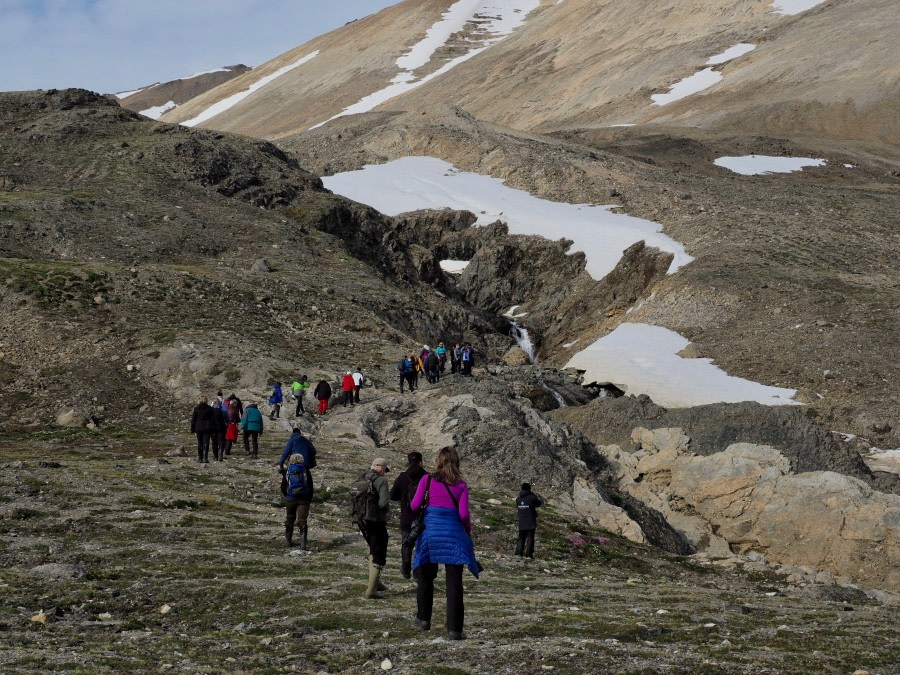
[526, 504]
[204, 424]
[403, 490]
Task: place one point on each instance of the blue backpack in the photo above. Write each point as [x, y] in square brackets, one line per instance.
[297, 485]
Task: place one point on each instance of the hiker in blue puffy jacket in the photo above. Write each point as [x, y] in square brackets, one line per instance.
[297, 488]
[299, 444]
[407, 373]
[252, 426]
[275, 399]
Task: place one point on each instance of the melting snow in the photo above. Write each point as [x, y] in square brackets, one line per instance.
[737, 50]
[496, 18]
[510, 313]
[703, 79]
[689, 85]
[413, 183]
[126, 94]
[752, 165]
[643, 359]
[454, 266]
[158, 110]
[234, 99]
[790, 7]
[207, 72]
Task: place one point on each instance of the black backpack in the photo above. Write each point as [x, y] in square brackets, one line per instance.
[362, 492]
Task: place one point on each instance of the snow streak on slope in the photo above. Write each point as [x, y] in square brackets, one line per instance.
[496, 19]
[790, 7]
[643, 359]
[415, 183]
[157, 111]
[126, 94]
[234, 99]
[703, 79]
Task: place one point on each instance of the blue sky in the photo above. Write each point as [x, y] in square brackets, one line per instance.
[116, 45]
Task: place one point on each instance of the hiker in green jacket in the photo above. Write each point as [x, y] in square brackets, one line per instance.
[252, 426]
[298, 388]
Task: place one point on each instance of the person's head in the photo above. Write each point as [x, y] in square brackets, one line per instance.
[448, 465]
[303, 378]
[349, 373]
[203, 399]
[297, 431]
[526, 487]
[380, 466]
[414, 458]
[296, 458]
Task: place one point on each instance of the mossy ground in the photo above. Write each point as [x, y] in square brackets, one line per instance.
[141, 531]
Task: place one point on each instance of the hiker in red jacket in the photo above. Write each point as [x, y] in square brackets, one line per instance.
[349, 388]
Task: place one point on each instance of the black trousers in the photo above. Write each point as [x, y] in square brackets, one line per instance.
[203, 439]
[425, 576]
[251, 436]
[526, 543]
[347, 397]
[406, 552]
[376, 536]
[299, 406]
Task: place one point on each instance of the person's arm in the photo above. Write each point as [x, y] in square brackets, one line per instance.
[384, 497]
[194, 421]
[416, 502]
[285, 454]
[464, 515]
[312, 456]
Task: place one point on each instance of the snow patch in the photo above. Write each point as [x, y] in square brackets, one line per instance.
[643, 359]
[752, 165]
[511, 313]
[496, 19]
[126, 94]
[737, 50]
[158, 111]
[689, 85]
[207, 72]
[570, 344]
[849, 166]
[791, 7]
[413, 183]
[234, 99]
[454, 266]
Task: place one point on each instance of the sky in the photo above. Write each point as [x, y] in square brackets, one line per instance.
[110, 46]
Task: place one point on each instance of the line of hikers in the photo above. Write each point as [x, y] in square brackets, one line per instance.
[435, 523]
[217, 425]
[433, 362]
[351, 383]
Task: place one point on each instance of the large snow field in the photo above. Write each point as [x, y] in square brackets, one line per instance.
[753, 165]
[226, 103]
[413, 183]
[791, 7]
[643, 359]
[157, 111]
[702, 79]
[496, 18]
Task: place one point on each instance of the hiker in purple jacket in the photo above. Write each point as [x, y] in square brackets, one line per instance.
[446, 540]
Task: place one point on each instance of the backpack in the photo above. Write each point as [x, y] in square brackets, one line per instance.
[411, 490]
[297, 486]
[362, 492]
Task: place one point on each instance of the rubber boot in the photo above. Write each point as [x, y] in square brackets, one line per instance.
[379, 586]
[374, 574]
[303, 532]
[288, 535]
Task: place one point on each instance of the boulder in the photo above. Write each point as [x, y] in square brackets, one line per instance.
[262, 265]
[69, 418]
[516, 356]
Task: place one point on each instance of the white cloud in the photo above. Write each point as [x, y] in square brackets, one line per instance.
[117, 45]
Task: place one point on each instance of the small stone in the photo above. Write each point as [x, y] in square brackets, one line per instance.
[261, 265]
[494, 502]
[165, 609]
[386, 664]
[266, 641]
[709, 625]
[106, 616]
[231, 659]
[130, 367]
[828, 374]
[40, 617]
[860, 672]
[386, 634]
[546, 667]
[662, 611]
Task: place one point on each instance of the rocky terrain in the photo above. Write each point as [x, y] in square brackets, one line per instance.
[118, 555]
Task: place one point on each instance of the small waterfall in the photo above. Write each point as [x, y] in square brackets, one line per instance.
[559, 399]
[523, 339]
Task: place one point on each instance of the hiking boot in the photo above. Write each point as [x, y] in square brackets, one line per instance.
[303, 532]
[421, 624]
[374, 577]
[288, 535]
[453, 635]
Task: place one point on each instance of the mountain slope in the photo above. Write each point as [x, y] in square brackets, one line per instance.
[827, 71]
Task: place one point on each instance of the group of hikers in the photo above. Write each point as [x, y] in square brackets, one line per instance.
[432, 362]
[217, 425]
[351, 383]
[435, 523]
